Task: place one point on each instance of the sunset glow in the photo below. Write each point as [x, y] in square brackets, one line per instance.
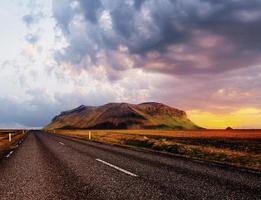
[242, 118]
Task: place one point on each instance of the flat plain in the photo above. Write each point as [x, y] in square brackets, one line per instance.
[241, 148]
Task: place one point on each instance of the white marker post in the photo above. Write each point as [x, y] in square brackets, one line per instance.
[10, 137]
[90, 135]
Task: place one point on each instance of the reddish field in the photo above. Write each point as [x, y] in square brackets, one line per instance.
[175, 133]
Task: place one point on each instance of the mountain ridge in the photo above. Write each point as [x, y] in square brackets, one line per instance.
[147, 115]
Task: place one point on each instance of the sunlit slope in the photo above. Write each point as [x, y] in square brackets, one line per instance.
[123, 116]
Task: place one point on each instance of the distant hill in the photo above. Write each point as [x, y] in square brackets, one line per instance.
[150, 115]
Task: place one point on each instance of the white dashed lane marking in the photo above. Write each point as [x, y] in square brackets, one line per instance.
[118, 168]
[10, 153]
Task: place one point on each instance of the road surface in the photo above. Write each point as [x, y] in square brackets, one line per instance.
[53, 167]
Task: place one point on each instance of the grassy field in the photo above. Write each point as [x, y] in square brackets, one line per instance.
[4, 138]
[235, 147]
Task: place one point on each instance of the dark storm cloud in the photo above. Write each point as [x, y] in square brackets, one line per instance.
[178, 37]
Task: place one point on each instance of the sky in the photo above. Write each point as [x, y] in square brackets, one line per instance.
[201, 56]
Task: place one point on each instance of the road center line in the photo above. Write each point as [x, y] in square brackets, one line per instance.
[61, 143]
[10, 153]
[115, 167]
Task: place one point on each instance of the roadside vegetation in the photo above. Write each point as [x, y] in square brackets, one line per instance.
[235, 147]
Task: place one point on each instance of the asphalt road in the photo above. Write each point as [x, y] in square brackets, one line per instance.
[53, 167]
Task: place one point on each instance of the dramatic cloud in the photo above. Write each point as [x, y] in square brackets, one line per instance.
[202, 56]
[177, 37]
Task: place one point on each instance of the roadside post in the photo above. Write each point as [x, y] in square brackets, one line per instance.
[10, 137]
[90, 135]
[54, 131]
